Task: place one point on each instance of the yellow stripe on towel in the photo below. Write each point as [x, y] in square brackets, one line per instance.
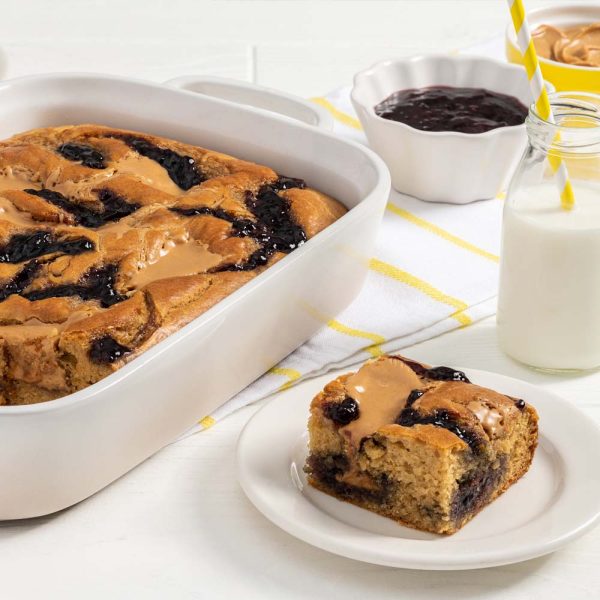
[399, 275]
[374, 350]
[291, 374]
[446, 235]
[337, 114]
[207, 422]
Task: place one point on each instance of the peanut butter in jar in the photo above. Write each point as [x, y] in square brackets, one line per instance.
[578, 45]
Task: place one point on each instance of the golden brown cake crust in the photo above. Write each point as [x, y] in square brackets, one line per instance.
[110, 240]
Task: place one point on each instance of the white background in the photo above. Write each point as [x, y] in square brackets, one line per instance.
[305, 46]
[179, 526]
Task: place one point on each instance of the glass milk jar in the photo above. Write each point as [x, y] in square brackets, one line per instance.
[549, 296]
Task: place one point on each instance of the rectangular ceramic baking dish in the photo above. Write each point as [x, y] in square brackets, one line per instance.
[55, 454]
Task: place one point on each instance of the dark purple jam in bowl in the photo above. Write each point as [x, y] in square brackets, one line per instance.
[444, 108]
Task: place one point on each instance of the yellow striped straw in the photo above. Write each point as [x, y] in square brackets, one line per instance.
[540, 94]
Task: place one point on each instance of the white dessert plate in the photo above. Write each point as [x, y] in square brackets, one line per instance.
[555, 502]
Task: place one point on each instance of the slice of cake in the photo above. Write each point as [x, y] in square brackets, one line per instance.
[423, 446]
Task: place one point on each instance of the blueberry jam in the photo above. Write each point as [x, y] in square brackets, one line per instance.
[413, 397]
[474, 490]
[25, 246]
[444, 108]
[343, 412]
[115, 207]
[240, 227]
[87, 155]
[328, 468]
[441, 418]
[218, 213]
[272, 212]
[418, 368]
[259, 258]
[182, 170]
[520, 404]
[97, 284]
[445, 374]
[20, 281]
[434, 373]
[107, 350]
[287, 183]
[274, 228]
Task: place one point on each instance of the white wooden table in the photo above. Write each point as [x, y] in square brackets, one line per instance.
[179, 526]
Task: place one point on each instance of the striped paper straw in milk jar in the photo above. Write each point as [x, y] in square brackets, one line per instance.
[540, 94]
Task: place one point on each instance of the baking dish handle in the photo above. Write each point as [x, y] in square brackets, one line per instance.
[256, 96]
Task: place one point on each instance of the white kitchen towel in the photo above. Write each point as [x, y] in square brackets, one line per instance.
[434, 268]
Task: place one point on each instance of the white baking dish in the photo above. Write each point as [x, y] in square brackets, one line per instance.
[258, 96]
[55, 454]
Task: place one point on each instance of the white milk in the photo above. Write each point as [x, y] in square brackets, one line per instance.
[549, 299]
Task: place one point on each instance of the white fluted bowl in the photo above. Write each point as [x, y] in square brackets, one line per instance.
[442, 166]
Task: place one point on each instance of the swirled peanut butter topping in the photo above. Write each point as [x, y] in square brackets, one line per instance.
[571, 45]
[9, 180]
[176, 260]
[491, 419]
[491, 408]
[34, 327]
[148, 171]
[381, 388]
[8, 212]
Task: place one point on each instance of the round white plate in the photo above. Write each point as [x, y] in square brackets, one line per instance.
[555, 502]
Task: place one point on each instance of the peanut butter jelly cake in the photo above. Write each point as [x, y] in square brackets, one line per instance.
[420, 445]
[112, 239]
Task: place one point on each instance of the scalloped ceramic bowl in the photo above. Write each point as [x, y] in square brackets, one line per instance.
[444, 166]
